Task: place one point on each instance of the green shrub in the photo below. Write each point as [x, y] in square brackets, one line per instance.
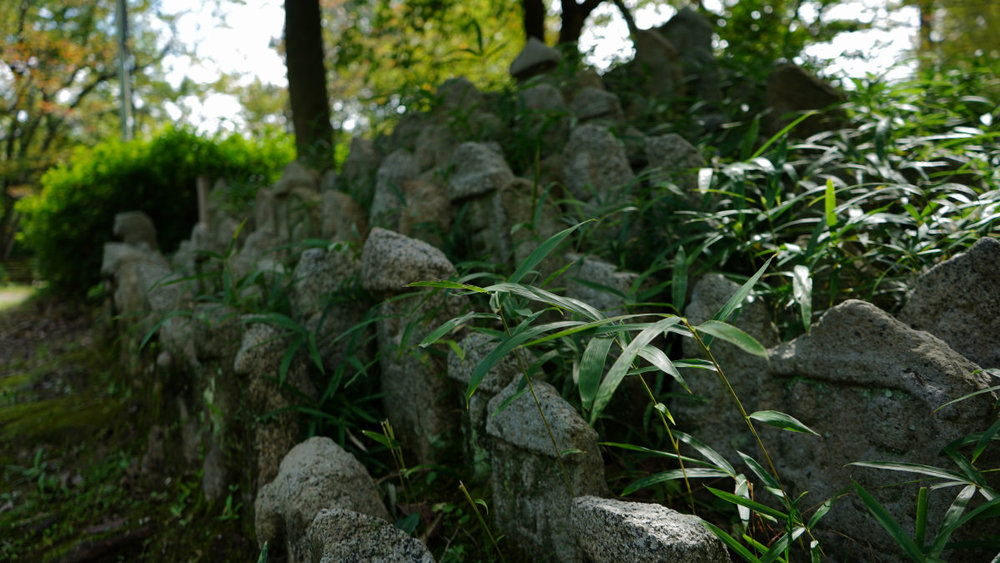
[68, 222]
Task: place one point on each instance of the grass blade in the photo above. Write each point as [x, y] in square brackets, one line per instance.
[782, 420]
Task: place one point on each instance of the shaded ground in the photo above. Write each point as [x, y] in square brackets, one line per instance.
[73, 429]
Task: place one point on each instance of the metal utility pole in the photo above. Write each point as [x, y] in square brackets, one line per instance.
[123, 71]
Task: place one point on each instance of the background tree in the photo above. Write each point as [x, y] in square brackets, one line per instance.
[58, 65]
[958, 32]
[307, 76]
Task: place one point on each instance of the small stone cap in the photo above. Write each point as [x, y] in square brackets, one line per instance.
[535, 58]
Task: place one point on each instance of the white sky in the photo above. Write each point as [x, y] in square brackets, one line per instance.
[244, 43]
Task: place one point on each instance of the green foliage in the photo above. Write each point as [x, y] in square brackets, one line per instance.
[68, 222]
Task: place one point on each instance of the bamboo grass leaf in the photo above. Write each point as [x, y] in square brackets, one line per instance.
[662, 362]
[714, 457]
[678, 287]
[548, 298]
[802, 293]
[451, 325]
[734, 336]
[913, 468]
[890, 524]
[921, 519]
[591, 369]
[542, 251]
[830, 204]
[523, 333]
[621, 366]
[759, 471]
[673, 475]
[444, 284]
[820, 513]
[731, 543]
[782, 420]
[751, 504]
[737, 299]
[984, 440]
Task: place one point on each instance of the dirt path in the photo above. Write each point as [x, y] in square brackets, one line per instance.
[72, 435]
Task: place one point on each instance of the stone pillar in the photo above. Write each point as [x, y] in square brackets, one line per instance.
[532, 502]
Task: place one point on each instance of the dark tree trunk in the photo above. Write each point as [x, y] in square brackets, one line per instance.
[574, 15]
[307, 76]
[534, 19]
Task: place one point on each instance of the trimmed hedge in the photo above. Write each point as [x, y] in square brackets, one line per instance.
[69, 221]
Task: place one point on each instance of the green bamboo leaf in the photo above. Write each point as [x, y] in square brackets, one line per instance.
[737, 299]
[451, 325]
[156, 327]
[913, 468]
[591, 369]
[731, 543]
[678, 287]
[378, 437]
[660, 360]
[783, 132]
[969, 396]
[820, 513]
[758, 470]
[742, 489]
[751, 504]
[802, 293]
[713, 457]
[830, 204]
[780, 547]
[621, 366]
[673, 475]
[657, 453]
[521, 334]
[542, 251]
[782, 420]
[734, 336]
[989, 509]
[985, 439]
[548, 298]
[921, 521]
[603, 327]
[951, 519]
[886, 520]
[444, 284]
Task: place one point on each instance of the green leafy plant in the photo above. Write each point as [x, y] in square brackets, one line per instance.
[67, 223]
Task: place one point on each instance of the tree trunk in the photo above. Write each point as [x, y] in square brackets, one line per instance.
[534, 19]
[573, 17]
[307, 77]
